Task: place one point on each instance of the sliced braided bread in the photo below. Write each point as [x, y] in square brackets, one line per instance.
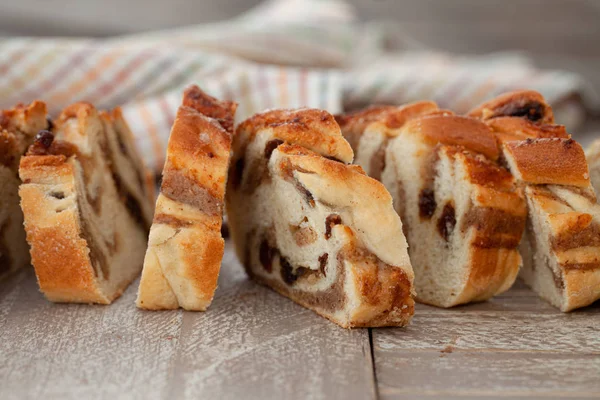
[561, 246]
[462, 214]
[313, 228]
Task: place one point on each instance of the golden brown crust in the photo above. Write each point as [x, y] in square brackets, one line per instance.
[548, 161]
[222, 111]
[455, 130]
[314, 129]
[186, 247]
[483, 171]
[525, 104]
[512, 128]
[188, 145]
[37, 168]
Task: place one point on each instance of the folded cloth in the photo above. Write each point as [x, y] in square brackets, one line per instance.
[284, 53]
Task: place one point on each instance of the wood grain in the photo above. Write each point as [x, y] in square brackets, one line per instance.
[251, 344]
[515, 345]
[465, 374]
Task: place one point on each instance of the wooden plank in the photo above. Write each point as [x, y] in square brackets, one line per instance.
[514, 345]
[252, 343]
[255, 344]
[78, 351]
[489, 375]
[503, 331]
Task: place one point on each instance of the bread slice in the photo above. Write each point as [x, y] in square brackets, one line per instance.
[462, 213]
[561, 246]
[87, 202]
[18, 127]
[314, 228]
[186, 247]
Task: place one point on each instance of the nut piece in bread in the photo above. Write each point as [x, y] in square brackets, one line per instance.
[186, 247]
[561, 245]
[314, 228]
[18, 127]
[87, 204]
[462, 213]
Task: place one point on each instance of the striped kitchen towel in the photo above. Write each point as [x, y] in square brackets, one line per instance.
[285, 53]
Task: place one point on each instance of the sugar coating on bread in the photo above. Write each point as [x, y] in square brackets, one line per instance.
[313, 228]
[185, 248]
[561, 245]
[462, 214]
[18, 127]
[87, 202]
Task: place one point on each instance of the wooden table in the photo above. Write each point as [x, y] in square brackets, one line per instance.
[254, 344]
